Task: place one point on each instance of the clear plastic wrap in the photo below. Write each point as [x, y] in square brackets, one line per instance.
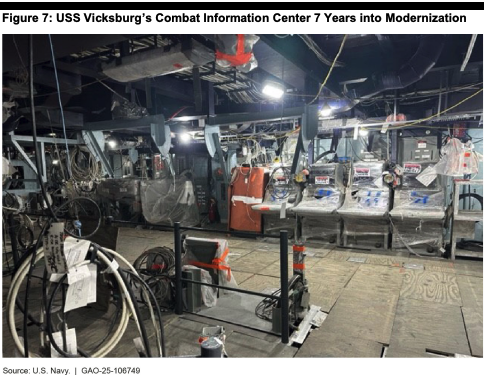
[416, 232]
[209, 294]
[166, 201]
[419, 199]
[324, 193]
[320, 198]
[368, 195]
[458, 159]
[323, 228]
[212, 255]
[368, 175]
[365, 226]
[273, 224]
[366, 203]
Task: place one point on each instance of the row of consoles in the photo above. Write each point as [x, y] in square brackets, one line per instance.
[353, 206]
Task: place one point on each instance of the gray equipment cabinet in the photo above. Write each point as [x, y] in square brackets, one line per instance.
[321, 199]
[365, 209]
[418, 213]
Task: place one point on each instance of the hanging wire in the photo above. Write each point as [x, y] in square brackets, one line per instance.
[60, 102]
[331, 69]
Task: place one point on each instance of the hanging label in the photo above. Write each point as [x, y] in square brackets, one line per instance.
[421, 144]
[384, 127]
[71, 343]
[92, 290]
[362, 172]
[75, 251]
[79, 284]
[412, 168]
[322, 180]
[283, 210]
[53, 246]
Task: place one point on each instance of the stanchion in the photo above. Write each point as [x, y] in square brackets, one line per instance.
[177, 269]
[284, 286]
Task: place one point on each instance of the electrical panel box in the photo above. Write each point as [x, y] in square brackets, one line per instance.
[418, 149]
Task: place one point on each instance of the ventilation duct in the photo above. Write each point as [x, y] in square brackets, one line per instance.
[429, 50]
[160, 61]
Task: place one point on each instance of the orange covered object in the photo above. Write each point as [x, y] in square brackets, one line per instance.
[246, 189]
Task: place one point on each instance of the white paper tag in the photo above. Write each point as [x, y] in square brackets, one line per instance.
[427, 176]
[75, 250]
[379, 182]
[384, 127]
[79, 283]
[92, 290]
[53, 246]
[71, 344]
[283, 210]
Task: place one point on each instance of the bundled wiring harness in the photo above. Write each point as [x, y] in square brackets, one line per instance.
[264, 310]
[156, 267]
[84, 166]
[280, 191]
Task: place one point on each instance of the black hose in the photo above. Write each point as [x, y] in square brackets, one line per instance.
[49, 330]
[33, 124]
[143, 330]
[156, 304]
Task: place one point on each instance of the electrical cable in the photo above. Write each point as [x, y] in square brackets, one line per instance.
[331, 69]
[60, 101]
[127, 296]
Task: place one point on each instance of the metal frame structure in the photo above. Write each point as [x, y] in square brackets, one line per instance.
[285, 331]
[463, 221]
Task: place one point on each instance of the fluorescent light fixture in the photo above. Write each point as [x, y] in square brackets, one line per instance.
[363, 132]
[55, 161]
[185, 137]
[112, 143]
[273, 90]
[325, 110]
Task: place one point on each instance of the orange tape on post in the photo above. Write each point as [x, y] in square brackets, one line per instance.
[299, 266]
[298, 248]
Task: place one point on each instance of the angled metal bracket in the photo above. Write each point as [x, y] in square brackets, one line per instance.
[95, 141]
[220, 155]
[161, 135]
[28, 160]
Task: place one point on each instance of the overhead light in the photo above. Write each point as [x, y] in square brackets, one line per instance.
[273, 89]
[325, 110]
[185, 137]
[363, 132]
[112, 143]
[55, 161]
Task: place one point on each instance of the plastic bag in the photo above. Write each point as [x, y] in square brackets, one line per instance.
[458, 159]
[209, 294]
[170, 200]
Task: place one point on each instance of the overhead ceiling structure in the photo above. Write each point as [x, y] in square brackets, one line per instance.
[177, 76]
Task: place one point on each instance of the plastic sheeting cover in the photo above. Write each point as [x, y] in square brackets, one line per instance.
[458, 159]
[166, 201]
[220, 259]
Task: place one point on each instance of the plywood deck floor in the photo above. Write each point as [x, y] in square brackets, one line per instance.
[376, 307]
